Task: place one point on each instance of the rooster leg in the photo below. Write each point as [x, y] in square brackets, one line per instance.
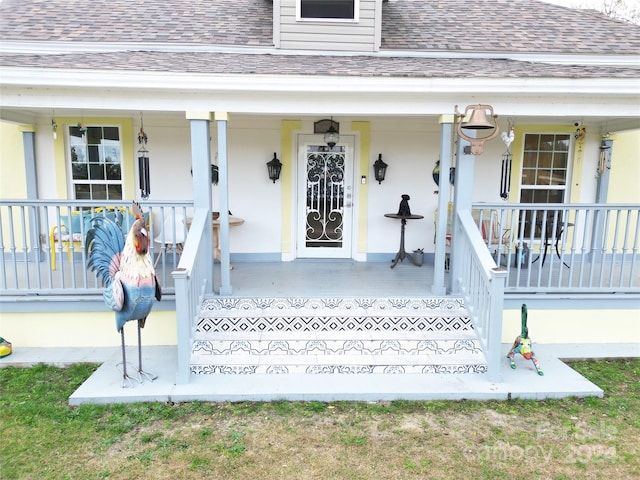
[148, 375]
[127, 381]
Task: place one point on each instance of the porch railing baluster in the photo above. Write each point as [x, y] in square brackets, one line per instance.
[481, 283]
[607, 265]
[190, 287]
[575, 261]
[36, 234]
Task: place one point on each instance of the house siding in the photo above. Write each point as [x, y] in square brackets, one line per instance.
[357, 36]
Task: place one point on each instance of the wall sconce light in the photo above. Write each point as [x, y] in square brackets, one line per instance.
[214, 174]
[274, 167]
[477, 121]
[380, 169]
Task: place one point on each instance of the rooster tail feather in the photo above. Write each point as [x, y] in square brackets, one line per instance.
[104, 245]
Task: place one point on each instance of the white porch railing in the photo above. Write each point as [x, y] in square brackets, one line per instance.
[481, 283]
[570, 248]
[190, 286]
[43, 247]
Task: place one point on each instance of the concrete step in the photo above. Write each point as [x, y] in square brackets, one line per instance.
[342, 346]
[222, 314]
[335, 335]
[337, 364]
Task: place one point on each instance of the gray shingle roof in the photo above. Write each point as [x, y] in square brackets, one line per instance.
[229, 22]
[503, 25]
[442, 25]
[462, 26]
[365, 66]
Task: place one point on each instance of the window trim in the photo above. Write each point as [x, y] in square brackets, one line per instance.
[566, 188]
[355, 19]
[567, 184]
[122, 161]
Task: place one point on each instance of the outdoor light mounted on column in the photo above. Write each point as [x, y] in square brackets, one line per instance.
[274, 167]
[477, 121]
[380, 169]
[436, 174]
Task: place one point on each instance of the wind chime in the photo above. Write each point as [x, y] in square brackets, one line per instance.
[604, 161]
[505, 177]
[143, 163]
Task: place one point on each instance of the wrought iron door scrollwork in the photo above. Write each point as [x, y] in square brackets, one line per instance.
[325, 199]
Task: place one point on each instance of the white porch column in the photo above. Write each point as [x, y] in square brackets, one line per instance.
[31, 175]
[223, 191]
[602, 192]
[201, 166]
[462, 200]
[446, 128]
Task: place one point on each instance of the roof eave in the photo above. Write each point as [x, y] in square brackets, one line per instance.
[565, 58]
[135, 79]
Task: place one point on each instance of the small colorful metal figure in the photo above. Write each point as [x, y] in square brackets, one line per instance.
[522, 345]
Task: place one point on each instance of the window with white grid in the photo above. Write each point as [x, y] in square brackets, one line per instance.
[95, 153]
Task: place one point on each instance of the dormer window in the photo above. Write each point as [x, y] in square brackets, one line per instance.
[334, 10]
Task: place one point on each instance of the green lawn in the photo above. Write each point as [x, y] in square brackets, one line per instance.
[44, 438]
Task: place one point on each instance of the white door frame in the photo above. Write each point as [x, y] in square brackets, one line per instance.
[346, 251]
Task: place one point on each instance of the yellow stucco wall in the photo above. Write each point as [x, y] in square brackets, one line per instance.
[625, 168]
[13, 182]
[288, 155]
[83, 329]
[364, 129]
[574, 326]
[97, 329]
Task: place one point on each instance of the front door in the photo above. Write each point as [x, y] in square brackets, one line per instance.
[325, 198]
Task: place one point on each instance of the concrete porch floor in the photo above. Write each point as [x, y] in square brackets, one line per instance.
[104, 386]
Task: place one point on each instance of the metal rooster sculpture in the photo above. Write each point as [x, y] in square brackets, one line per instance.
[126, 271]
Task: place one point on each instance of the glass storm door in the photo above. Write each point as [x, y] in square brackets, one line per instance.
[325, 199]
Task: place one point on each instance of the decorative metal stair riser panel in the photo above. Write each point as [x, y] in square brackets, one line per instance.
[328, 335]
[335, 347]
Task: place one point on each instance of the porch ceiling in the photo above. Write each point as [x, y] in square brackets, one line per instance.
[35, 114]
